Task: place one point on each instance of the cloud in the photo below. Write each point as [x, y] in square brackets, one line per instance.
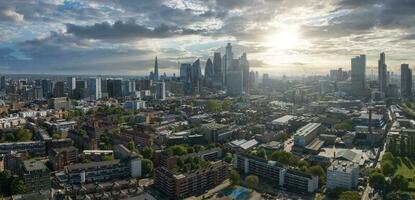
[126, 30]
[11, 15]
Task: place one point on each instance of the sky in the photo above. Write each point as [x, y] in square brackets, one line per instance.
[281, 37]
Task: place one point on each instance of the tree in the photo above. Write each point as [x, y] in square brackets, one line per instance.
[282, 157]
[399, 182]
[22, 135]
[377, 180]
[131, 146]
[262, 154]
[317, 170]
[349, 195]
[234, 177]
[147, 152]
[5, 177]
[388, 156]
[388, 168]
[17, 186]
[252, 181]
[213, 106]
[147, 166]
[190, 150]
[228, 159]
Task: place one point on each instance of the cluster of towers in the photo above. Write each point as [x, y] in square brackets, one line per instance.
[222, 73]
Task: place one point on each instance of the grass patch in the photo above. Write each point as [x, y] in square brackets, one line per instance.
[406, 168]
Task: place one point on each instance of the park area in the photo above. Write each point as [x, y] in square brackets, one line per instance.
[406, 168]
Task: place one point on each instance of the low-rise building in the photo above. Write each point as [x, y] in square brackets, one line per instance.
[102, 171]
[32, 147]
[35, 175]
[281, 175]
[194, 183]
[61, 157]
[342, 174]
[307, 134]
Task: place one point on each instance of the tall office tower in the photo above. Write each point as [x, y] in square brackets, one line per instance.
[71, 85]
[234, 86]
[59, 89]
[195, 76]
[406, 82]
[252, 80]
[358, 75]
[209, 73]
[81, 90]
[185, 72]
[47, 88]
[37, 92]
[160, 91]
[104, 88]
[197, 71]
[3, 83]
[224, 70]
[244, 65]
[114, 88]
[228, 60]
[94, 88]
[218, 72]
[156, 71]
[128, 87]
[382, 73]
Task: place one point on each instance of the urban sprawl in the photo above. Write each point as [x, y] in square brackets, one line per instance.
[227, 133]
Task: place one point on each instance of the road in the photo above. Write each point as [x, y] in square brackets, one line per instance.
[379, 156]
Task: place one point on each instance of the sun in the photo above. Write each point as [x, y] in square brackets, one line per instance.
[284, 39]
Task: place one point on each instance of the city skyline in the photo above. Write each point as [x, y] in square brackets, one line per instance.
[280, 37]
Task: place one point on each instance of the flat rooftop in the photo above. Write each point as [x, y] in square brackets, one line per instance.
[305, 130]
[34, 165]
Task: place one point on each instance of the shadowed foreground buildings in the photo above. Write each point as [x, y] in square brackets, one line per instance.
[194, 183]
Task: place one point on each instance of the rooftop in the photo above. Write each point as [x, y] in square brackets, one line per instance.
[283, 120]
[34, 165]
[305, 130]
[342, 166]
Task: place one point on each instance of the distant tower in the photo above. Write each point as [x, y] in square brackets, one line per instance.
[358, 75]
[156, 71]
[228, 60]
[209, 73]
[406, 82]
[382, 74]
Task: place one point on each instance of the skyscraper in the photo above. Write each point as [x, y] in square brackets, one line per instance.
[195, 76]
[406, 82]
[94, 88]
[382, 74]
[358, 75]
[244, 65]
[47, 88]
[209, 73]
[156, 71]
[114, 88]
[59, 89]
[160, 91]
[3, 83]
[185, 72]
[228, 59]
[71, 84]
[234, 86]
[217, 68]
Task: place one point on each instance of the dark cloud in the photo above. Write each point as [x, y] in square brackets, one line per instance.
[126, 30]
[67, 54]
